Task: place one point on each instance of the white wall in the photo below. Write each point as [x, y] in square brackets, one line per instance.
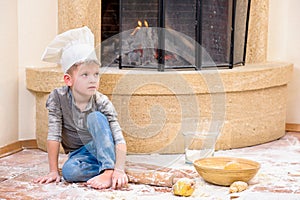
[37, 27]
[27, 26]
[8, 72]
[284, 45]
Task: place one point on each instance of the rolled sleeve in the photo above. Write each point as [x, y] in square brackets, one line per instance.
[54, 117]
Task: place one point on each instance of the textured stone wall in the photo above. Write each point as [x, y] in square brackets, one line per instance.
[258, 32]
[78, 13]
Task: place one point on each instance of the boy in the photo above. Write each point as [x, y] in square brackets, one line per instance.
[83, 120]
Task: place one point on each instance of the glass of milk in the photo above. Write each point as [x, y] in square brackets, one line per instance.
[199, 145]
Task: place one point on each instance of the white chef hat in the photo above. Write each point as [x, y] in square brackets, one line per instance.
[70, 47]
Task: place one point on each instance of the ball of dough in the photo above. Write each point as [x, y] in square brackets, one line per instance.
[238, 186]
[184, 187]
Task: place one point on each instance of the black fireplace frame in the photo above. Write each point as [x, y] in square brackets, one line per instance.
[199, 19]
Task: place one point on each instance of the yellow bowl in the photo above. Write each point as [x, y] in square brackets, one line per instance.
[226, 170]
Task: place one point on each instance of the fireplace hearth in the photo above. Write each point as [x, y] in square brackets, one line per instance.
[172, 34]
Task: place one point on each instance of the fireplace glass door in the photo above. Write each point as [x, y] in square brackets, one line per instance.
[163, 34]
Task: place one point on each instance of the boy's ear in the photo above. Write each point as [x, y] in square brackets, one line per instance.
[68, 79]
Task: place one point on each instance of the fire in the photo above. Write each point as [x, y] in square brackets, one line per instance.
[139, 25]
[146, 23]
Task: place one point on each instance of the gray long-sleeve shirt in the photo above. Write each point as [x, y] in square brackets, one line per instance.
[68, 125]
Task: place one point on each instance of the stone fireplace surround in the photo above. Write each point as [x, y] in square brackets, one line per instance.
[255, 94]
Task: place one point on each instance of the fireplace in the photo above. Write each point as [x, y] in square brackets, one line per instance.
[163, 34]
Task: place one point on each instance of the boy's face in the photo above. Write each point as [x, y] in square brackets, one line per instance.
[85, 79]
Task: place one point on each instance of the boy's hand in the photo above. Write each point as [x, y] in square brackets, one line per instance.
[49, 178]
[119, 179]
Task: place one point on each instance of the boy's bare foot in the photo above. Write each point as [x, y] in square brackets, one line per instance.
[101, 181]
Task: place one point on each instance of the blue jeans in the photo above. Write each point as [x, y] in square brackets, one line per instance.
[94, 157]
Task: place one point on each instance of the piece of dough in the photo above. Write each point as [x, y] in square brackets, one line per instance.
[238, 186]
[184, 187]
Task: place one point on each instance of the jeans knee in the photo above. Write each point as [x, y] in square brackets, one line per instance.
[95, 116]
[97, 121]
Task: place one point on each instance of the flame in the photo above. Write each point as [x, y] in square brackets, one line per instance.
[139, 25]
[146, 23]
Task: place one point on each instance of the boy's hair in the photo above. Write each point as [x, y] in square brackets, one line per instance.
[86, 62]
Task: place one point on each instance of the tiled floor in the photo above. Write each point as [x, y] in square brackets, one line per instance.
[278, 177]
